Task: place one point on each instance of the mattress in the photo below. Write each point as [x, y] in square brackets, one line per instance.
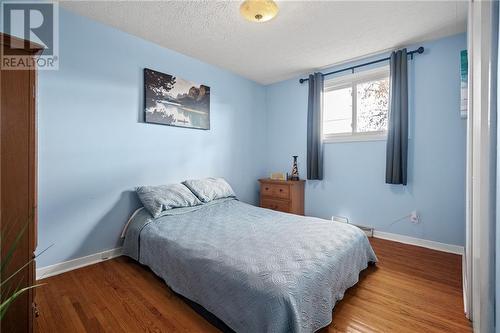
[256, 269]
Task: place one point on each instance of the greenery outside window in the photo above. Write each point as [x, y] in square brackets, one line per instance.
[355, 106]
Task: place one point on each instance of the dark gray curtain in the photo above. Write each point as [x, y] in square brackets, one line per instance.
[314, 144]
[397, 136]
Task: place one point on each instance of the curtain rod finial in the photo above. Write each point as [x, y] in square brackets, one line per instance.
[301, 80]
[420, 50]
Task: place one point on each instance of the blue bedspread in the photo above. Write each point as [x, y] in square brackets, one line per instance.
[255, 269]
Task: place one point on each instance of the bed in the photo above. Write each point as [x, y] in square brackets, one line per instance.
[255, 269]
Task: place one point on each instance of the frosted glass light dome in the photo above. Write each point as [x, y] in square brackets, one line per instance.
[258, 10]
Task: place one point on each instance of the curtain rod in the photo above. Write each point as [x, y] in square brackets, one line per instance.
[420, 50]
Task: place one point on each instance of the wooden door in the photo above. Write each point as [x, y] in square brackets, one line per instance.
[18, 189]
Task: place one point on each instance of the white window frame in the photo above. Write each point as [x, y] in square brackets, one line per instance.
[351, 80]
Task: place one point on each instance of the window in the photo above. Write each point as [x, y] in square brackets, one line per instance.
[355, 107]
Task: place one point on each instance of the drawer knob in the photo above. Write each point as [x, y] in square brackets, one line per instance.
[267, 188]
[281, 190]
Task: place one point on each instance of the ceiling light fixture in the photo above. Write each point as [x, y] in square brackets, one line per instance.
[258, 10]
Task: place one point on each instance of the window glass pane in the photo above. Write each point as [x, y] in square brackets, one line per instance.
[337, 114]
[372, 105]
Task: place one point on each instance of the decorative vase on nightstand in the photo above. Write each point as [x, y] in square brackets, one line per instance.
[295, 169]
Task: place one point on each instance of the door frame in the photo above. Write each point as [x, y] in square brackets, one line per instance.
[479, 282]
[30, 50]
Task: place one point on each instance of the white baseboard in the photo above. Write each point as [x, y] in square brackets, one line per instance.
[44, 272]
[450, 248]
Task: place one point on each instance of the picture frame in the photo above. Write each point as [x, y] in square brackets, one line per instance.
[173, 101]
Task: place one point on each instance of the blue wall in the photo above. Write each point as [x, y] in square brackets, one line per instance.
[94, 149]
[355, 172]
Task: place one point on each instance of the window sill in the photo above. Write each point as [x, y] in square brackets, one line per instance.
[355, 138]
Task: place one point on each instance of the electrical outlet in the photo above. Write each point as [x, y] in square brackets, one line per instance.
[414, 218]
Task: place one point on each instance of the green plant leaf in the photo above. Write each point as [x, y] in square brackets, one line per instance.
[12, 248]
[23, 266]
[6, 285]
[5, 304]
[14, 274]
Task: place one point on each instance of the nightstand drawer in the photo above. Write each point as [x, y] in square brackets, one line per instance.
[275, 190]
[280, 205]
[283, 195]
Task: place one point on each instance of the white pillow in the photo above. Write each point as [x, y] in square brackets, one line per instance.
[209, 189]
[157, 199]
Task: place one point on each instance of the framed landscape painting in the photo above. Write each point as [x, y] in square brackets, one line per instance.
[169, 100]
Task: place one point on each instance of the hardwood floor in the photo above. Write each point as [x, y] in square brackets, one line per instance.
[411, 289]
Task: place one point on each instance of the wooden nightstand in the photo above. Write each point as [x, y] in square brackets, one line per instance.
[282, 195]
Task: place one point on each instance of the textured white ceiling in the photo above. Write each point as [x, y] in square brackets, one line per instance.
[305, 35]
